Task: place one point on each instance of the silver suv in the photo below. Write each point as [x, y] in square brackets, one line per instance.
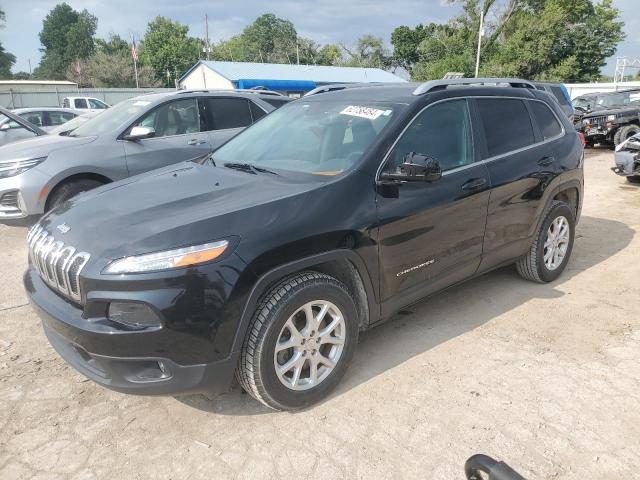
[137, 135]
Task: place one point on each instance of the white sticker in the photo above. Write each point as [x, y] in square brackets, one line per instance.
[363, 112]
[141, 103]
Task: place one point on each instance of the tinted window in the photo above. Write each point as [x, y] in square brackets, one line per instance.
[80, 103]
[256, 112]
[507, 125]
[172, 118]
[37, 118]
[546, 120]
[276, 102]
[223, 113]
[442, 131]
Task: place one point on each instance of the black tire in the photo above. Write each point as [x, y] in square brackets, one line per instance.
[634, 179]
[256, 371]
[532, 266]
[68, 190]
[624, 133]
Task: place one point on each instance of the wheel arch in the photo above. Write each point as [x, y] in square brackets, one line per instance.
[342, 264]
[71, 178]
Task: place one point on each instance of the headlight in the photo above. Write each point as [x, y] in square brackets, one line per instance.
[179, 257]
[10, 168]
[611, 118]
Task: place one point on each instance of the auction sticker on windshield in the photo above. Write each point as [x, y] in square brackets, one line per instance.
[363, 112]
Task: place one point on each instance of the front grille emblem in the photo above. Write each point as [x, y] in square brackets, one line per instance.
[63, 227]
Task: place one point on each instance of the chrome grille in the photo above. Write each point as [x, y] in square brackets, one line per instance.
[59, 265]
[599, 121]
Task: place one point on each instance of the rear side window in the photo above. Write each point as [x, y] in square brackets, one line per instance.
[58, 118]
[256, 112]
[276, 102]
[223, 113]
[507, 125]
[546, 120]
[557, 92]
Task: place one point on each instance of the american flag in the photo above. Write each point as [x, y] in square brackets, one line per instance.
[134, 51]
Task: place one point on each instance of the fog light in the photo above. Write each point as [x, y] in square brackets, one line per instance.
[137, 315]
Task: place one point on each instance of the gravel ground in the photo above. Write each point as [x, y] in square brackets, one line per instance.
[544, 377]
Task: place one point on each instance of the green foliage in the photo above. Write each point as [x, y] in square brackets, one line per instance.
[370, 51]
[114, 45]
[66, 36]
[562, 40]
[6, 59]
[168, 50]
[110, 70]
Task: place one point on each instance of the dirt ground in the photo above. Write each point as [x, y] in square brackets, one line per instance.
[544, 377]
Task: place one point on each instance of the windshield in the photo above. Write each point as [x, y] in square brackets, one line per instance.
[70, 125]
[322, 138]
[111, 118]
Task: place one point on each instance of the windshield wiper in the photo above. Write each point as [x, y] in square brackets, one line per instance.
[247, 167]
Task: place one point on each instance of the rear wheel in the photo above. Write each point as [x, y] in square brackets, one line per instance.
[551, 249]
[303, 335]
[68, 190]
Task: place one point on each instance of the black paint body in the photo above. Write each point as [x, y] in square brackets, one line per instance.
[281, 224]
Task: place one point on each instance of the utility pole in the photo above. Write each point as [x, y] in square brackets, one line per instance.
[134, 54]
[480, 34]
[207, 45]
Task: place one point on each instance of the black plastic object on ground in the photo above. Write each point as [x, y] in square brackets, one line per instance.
[478, 464]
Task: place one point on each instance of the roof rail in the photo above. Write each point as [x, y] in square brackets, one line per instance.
[242, 90]
[434, 85]
[334, 87]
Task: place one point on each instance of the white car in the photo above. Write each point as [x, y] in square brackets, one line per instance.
[84, 104]
[47, 118]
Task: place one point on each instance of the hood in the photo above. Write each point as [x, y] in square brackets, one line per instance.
[611, 111]
[40, 146]
[184, 204]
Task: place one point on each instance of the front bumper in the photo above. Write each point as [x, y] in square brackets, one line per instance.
[140, 362]
[20, 194]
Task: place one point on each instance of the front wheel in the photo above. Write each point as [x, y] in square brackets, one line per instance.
[302, 338]
[551, 249]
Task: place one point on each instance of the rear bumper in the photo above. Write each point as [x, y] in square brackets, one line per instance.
[627, 164]
[92, 348]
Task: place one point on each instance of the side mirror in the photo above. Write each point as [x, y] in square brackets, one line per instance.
[4, 127]
[140, 133]
[417, 167]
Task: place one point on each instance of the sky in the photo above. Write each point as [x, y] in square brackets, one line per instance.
[325, 21]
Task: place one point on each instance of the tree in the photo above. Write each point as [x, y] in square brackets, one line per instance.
[110, 70]
[329, 54]
[168, 50]
[66, 36]
[563, 40]
[7, 59]
[369, 51]
[115, 44]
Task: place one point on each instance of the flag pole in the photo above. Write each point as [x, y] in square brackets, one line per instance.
[480, 34]
[134, 54]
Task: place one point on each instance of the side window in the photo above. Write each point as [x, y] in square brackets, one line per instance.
[80, 103]
[442, 131]
[507, 125]
[97, 104]
[34, 117]
[546, 120]
[557, 92]
[173, 118]
[256, 112]
[276, 102]
[223, 113]
[58, 118]
[65, 103]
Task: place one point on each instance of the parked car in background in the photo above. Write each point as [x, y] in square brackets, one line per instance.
[13, 128]
[266, 259]
[46, 118]
[71, 125]
[561, 94]
[627, 159]
[613, 118]
[84, 103]
[135, 136]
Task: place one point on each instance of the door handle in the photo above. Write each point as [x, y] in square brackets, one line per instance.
[474, 184]
[546, 161]
[195, 141]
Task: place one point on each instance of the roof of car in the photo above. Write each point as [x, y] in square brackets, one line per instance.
[42, 109]
[157, 96]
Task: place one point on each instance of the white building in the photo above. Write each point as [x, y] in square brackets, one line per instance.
[289, 79]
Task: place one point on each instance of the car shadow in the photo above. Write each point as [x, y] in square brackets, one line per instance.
[446, 315]
[21, 222]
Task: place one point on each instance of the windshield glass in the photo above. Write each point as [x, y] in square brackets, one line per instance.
[322, 138]
[111, 118]
[70, 125]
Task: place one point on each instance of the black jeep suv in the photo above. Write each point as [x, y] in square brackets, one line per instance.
[266, 259]
[611, 118]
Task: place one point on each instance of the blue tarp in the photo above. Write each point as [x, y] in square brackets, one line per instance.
[287, 85]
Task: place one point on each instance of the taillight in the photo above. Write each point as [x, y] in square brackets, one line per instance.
[582, 139]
